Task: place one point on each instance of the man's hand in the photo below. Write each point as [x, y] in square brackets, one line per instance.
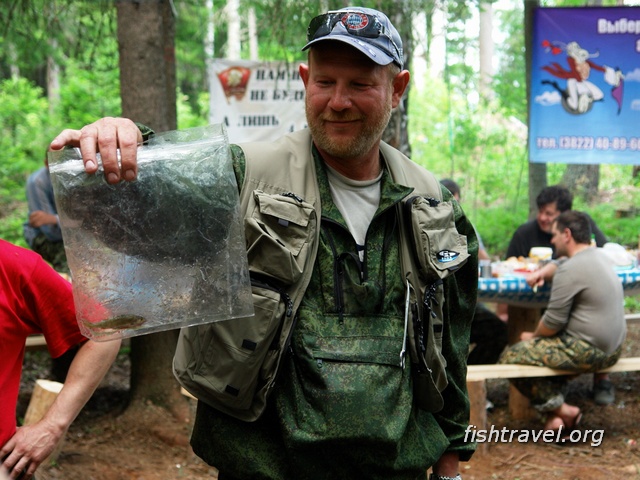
[535, 279]
[32, 444]
[539, 277]
[107, 136]
[39, 218]
[524, 336]
[28, 448]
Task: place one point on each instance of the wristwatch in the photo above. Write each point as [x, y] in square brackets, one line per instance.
[433, 476]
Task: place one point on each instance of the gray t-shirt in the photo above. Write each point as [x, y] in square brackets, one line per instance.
[587, 300]
[357, 201]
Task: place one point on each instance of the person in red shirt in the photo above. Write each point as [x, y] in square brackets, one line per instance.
[35, 299]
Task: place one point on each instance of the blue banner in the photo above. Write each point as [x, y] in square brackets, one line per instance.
[585, 85]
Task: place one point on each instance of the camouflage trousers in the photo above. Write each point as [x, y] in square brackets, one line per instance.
[51, 252]
[563, 352]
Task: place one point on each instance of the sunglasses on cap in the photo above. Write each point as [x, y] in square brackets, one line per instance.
[356, 23]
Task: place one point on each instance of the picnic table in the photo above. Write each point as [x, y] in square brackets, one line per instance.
[513, 290]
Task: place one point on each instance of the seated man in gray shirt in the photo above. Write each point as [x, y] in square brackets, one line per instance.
[582, 329]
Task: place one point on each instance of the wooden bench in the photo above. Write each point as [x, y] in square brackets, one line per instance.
[484, 372]
[632, 317]
[35, 342]
[477, 374]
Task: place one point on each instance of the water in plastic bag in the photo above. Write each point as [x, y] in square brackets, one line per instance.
[163, 252]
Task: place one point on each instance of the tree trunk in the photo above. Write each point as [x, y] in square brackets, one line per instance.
[233, 32]
[486, 50]
[53, 69]
[252, 27]
[582, 180]
[13, 60]
[209, 44]
[537, 171]
[53, 79]
[146, 33]
[396, 134]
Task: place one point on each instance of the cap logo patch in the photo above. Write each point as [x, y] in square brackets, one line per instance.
[355, 21]
[445, 256]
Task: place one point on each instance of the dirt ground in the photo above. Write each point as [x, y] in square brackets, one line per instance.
[107, 442]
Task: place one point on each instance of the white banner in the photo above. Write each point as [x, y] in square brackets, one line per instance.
[257, 100]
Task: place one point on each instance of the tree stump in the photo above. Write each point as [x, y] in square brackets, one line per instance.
[44, 394]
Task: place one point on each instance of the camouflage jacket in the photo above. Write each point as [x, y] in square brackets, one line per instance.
[343, 406]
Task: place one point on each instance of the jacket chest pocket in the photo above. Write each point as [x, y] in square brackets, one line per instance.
[278, 233]
[440, 249]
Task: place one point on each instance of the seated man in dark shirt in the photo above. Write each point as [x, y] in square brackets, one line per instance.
[551, 202]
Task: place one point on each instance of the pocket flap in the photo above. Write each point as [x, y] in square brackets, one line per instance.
[361, 349]
[283, 207]
[440, 249]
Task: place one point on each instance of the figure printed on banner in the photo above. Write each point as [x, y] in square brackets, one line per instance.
[580, 92]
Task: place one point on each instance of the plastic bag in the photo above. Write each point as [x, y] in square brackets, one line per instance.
[163, 252]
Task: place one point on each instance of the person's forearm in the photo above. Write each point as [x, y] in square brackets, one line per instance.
[89, 366]
[542, 275]
[543, 331]
[41, 218]
[548, 271]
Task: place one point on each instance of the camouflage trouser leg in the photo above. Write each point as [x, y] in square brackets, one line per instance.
[563, 352]
[52, 252]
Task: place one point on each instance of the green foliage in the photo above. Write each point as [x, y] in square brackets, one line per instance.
[87, 94]
[187, 116]
[24, 135]
[479, 149]
[36, 29]
[191, 32]
[632, 304]
[429, 127]
[509, 82]
[496, 225]
[11, 225]
[622, 230]
[89, 86]
[24, 131]
[482, 145]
